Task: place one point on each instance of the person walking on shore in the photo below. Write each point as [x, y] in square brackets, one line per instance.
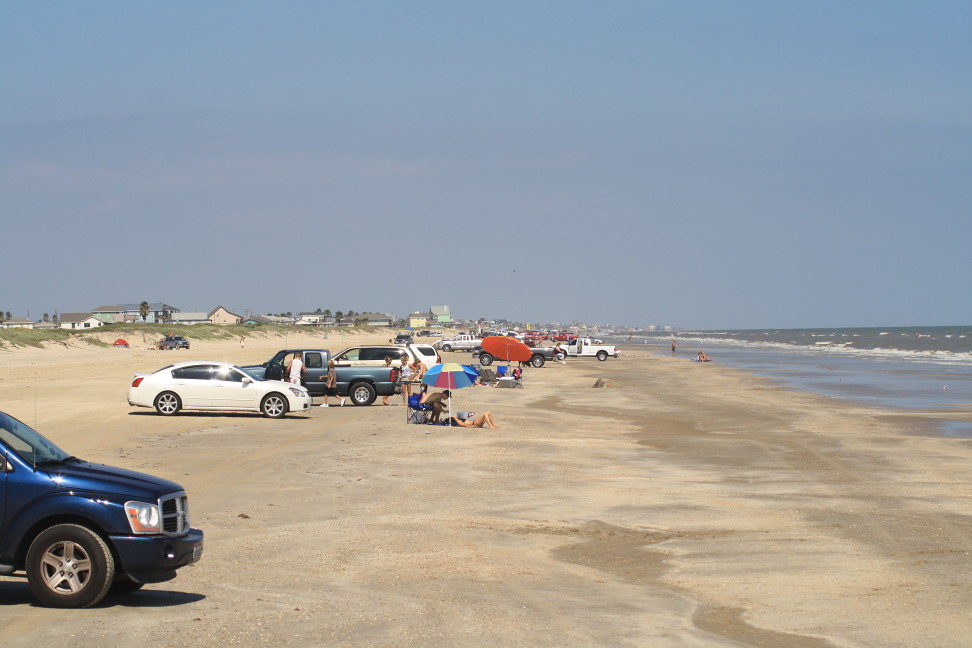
[242, 341]
[673, 347]
[388, 362]
[330, 385]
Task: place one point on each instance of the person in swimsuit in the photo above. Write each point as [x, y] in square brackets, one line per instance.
[483, 420]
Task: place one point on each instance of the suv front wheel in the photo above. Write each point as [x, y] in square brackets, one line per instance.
[69, 566]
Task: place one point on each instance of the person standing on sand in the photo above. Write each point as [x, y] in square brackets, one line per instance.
[406, 380]
[673, 347]
[242, 341]
[296, 371]
[388, 362]
[418, 369]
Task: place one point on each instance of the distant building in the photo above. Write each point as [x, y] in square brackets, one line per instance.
[420, 320]
[220, 315]
[17, 322]
[109, 314]
[376, 319]
[316, 318]
[158, 312]
[79, 321]
[189, 318]
[441, 314]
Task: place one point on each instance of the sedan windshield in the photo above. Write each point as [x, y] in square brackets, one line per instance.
[29, 444]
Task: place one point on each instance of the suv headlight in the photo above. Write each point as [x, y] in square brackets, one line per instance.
[143, 518]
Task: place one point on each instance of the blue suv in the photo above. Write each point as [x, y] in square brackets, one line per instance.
[81, 530]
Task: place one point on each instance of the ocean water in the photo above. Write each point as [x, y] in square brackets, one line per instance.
[912, 368]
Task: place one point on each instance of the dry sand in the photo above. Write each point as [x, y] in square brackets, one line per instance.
[684, 505]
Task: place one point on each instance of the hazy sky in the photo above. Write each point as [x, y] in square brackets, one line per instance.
[717, 164]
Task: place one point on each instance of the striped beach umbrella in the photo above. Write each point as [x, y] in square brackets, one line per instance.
[450, 375]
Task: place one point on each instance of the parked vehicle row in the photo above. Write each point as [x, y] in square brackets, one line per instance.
[362, 383]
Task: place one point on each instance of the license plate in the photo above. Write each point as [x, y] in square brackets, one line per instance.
[197, 552]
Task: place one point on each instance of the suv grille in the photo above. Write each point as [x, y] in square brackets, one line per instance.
[175, 514]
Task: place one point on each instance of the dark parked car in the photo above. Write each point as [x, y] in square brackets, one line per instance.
[403, 338]
[425, 333]
[170, 342]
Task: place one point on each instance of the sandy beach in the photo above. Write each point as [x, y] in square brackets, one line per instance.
[681, 505]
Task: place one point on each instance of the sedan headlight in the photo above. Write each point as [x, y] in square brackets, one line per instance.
[299, 393]
[143, 518]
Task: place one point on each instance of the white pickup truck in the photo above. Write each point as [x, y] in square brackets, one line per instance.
[462, 342]
[586, 348]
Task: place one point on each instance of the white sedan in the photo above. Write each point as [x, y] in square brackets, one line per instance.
[212, 385]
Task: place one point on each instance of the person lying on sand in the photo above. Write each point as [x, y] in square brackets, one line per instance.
[484, 419]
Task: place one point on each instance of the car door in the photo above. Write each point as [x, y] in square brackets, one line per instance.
[231, 391]
[350, 358]
[194, 385]
[315, 377]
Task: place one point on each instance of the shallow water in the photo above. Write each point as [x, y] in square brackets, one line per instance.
[901, 381]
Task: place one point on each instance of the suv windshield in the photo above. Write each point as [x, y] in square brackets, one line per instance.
[30, 445]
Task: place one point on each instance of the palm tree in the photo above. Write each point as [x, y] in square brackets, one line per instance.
[6, 316]
[338, 315]
[327, 312]
[143, 310]
[47, 317]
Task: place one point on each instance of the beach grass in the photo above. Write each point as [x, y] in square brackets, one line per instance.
[41, 338]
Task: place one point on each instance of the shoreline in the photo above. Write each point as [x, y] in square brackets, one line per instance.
[686, 504]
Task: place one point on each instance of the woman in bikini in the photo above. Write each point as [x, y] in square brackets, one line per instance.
[483, 420]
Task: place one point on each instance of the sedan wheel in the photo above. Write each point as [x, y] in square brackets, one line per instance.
[274, 405]
[167, 404]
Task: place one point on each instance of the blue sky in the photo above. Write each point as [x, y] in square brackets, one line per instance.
[716, 164]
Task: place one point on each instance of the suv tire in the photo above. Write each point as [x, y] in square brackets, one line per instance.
[69, 566]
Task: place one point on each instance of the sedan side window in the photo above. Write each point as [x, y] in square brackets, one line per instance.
[227, 374]
[194, 372]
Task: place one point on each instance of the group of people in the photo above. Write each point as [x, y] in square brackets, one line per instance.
[412, 374]
[437, 401]
[702, 356]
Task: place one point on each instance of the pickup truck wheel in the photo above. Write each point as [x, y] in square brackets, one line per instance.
[602, 355]
[447, 348]
[362, 393]
[167, 404]
[69, 566]
[485, 359]
[273, 406]
[538, 361]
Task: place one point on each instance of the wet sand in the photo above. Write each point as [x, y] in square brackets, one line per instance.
[682, 505]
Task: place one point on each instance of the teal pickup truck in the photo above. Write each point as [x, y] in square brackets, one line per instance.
[361, 384]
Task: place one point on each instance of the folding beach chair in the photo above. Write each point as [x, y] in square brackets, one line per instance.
[417, 412]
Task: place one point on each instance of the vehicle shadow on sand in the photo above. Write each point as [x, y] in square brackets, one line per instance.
[223, 415]
[18, 593]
